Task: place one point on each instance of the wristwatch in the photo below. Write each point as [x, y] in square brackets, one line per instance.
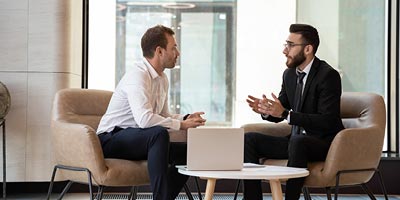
[186, 116]
[284, 114]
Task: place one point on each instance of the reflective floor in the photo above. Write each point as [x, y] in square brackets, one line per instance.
[145, 196]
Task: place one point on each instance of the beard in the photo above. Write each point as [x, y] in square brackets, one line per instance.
[296, 60]
[169, 64]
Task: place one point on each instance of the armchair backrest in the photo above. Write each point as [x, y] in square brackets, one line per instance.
[81, 106]
[360, 109]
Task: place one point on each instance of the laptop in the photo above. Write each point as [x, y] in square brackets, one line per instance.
[215, 148]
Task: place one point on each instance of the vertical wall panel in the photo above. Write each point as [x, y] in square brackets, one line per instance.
[13, 39]
[36, 42]
[48, 36]
[13, 65]
[13, 5]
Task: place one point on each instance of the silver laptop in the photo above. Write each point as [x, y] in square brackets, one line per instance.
[215, 148]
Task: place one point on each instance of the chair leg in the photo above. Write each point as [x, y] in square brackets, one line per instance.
[100, 191]
[366, 190]
[51, 183]
[196, 179]
[90, 183]
[65, 190]
[70, 182]
[188, 193]
[237, 189]
[337, 185]
[133, 193]
[381, 183]
[306, 193]
[328, 193]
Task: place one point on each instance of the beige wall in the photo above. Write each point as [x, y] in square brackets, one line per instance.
[39, 54]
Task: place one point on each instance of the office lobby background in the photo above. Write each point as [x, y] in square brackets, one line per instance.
[41, 52]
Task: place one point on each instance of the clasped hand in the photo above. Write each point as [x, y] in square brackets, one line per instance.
[193, 120]
[265, 105]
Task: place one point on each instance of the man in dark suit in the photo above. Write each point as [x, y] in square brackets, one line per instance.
[309, 100]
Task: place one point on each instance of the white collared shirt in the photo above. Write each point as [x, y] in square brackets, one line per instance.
[307, 71]
[140, 100]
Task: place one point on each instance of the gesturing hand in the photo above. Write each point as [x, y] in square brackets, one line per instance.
[271, 107]
[253, 103]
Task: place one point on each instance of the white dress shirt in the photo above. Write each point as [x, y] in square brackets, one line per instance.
[140, 100]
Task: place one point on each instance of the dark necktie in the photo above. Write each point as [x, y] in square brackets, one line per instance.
[297, 98]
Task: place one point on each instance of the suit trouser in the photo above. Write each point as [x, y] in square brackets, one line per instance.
[151, 144]
[298, 149]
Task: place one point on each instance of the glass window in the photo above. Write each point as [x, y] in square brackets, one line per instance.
[233, 48]
[353, 40]
[203, 78]
[206, 77]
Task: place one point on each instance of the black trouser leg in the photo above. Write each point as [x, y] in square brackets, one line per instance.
[260, 146]
[176, 180]
[151, 144]
[302, 149]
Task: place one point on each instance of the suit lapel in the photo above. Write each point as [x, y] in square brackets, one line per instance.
[310, 77]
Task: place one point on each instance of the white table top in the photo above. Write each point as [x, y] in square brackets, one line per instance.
[268, 172]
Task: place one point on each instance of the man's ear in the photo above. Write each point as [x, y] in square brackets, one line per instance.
[308, 49]
[158, 51]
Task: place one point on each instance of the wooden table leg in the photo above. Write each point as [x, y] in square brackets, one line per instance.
[210, 188]
[276, 189]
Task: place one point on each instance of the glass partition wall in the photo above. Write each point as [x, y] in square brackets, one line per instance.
[203, 78]
[232, 48]
[354, 37]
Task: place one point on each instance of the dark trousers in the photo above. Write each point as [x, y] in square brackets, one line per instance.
[298, 149]
[151, 144]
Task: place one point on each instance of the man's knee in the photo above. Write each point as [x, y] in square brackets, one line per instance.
[160, 133]
[250, 136]
[297, 140]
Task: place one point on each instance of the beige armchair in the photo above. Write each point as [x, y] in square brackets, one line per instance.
[355, 152]
[77, 150]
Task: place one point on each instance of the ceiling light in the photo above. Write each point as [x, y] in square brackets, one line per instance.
[178, 5]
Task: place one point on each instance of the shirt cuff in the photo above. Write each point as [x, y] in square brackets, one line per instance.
[176, 124]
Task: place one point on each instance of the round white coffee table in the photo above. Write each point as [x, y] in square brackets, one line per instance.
[272, 173]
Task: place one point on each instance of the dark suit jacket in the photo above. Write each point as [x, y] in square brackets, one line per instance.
[319, 113]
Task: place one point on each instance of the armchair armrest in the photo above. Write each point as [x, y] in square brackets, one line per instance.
[77, 145]
[355, 148]
[268, 128]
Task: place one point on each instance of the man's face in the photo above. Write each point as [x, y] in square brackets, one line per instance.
[170, 53]
[294, 50]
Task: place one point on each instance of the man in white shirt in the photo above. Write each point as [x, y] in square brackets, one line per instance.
[136, 123]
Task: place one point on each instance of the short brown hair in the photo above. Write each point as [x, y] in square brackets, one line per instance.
[308, 33]
[154, 37]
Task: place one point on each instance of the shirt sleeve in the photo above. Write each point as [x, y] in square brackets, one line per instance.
[139, 97]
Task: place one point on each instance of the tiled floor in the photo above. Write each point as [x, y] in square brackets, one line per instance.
[80, 196]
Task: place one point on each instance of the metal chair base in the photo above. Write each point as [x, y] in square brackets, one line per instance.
[99, 196]
[365, 188]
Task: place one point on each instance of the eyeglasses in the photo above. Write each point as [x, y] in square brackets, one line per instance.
[288, 46]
